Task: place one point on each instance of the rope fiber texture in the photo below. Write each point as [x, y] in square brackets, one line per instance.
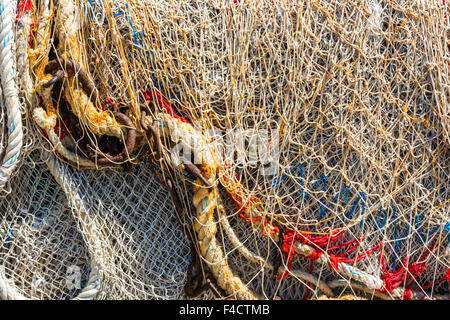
[307, 145]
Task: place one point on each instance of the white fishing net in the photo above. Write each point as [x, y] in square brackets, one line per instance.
[330, 122]
[138, 243]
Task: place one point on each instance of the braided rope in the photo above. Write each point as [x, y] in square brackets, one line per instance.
[99, 122]
[24, 21]
[358, 286]
[7, 289]
[46, 120]
[343, 269]
[7, 74]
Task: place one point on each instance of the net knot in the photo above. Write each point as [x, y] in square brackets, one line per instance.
[334, 262]
[392, 280]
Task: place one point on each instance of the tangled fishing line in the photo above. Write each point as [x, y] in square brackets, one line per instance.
[225, 149]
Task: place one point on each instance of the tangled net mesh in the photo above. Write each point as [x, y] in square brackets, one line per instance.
[330, 120]
[138, 242]
[39, 238]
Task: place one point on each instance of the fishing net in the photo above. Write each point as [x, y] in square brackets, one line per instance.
[130, 228]
[50, 232]
[43, 254]
[257, 149]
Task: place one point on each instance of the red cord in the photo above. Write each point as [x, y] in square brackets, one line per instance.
[23, 6]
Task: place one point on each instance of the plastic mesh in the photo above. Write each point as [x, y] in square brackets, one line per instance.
[355, 99]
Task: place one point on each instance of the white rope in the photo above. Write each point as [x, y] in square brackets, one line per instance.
[7, 74]
[23, 61]
[359, 286]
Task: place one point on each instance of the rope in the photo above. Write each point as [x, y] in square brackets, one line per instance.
[7, 289]
[204, 201]
[223, 220]
[24, 23]
[314, 126]
[69, 47]
[369, 282]
[47, 122]
[79, 101]
[7, 74]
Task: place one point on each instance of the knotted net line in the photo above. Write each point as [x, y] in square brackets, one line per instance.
[330, 124]
[54, 239]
